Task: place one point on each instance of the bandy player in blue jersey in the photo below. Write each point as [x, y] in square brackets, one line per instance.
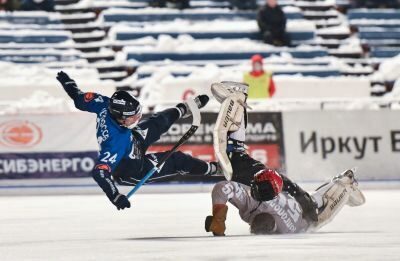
[124, 138]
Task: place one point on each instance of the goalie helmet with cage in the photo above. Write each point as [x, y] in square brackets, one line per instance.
[123, 105]
[266, 185]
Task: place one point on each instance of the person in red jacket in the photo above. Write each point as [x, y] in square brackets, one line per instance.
[261, 84]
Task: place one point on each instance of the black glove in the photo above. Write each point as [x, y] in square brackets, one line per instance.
[64, 79]
[68, 84]
[121, 202]
[200, 100]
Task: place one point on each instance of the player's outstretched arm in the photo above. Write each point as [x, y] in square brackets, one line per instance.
[69, 85]
[91, 102]
[102, 175]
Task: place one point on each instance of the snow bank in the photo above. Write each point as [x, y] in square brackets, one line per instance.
[186, 43]
[182, 26]
[23, 80]
[164, 87]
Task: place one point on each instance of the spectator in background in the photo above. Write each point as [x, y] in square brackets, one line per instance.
[10, 5]
[261, 84]
[272, 23]
[179, 4]
[37, 5]
[157, 3]
[375, 3]
[244, 4]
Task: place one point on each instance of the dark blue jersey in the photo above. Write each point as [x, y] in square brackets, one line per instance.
[118, 143]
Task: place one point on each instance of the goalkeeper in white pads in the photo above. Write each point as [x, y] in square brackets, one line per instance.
[268, 201]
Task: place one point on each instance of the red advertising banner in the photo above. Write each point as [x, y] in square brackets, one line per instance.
[264, 138]
[268, 154]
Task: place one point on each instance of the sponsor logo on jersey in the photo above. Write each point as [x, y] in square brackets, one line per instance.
[89, 96]
[282, 213]
[101, 126]
[20, 134]
[230, 189]
[103, 167]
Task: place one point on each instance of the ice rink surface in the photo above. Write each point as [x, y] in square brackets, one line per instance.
[171, 227]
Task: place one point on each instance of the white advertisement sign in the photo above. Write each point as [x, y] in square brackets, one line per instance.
[321, 144]
[67, 132]
[314, 87]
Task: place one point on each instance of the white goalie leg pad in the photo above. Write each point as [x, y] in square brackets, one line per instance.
[334, 196]
[356, 198]
[229, 119]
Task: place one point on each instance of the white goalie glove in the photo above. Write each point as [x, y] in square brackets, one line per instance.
[232, 96]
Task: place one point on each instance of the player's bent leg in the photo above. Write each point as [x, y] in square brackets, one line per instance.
[356, 197]
[307, 203]
[183, 163]
[244, 167]
[332, 196]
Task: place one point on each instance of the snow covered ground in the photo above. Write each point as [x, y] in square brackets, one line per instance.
[170, 227]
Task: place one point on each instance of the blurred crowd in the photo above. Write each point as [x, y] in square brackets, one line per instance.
[27, 5]
[375, 3]
[182, 4]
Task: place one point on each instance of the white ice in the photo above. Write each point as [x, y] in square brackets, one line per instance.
[170, 227]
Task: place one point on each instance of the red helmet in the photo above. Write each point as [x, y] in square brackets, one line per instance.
[267, 184]
[256, 58]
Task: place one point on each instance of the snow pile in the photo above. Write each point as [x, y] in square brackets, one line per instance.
[39, 102]
[29, 32]
[24, 16]
[182, 26]
[375, 22]
[390, 68]
[23, 80]
[179, 68]
[162, 86]
[186, 43]
[152, 10]
[341, 29]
